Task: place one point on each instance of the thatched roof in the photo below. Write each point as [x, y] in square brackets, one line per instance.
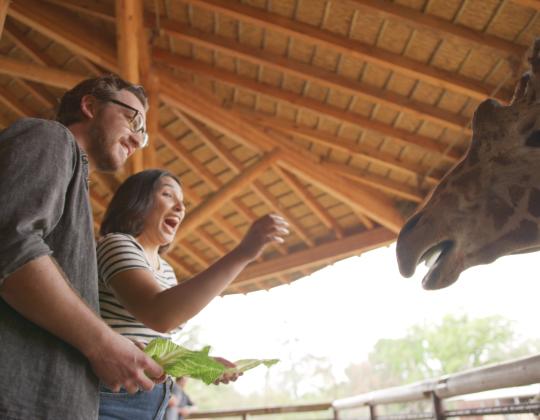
[340, 115]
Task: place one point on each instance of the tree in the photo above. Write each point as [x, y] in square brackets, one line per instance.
[455, 344]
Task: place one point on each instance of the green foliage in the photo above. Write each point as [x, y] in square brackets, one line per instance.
[455, 344]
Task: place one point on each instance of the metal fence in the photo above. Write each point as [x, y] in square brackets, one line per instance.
[432, 393]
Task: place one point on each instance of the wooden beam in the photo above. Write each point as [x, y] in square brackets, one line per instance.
[204, 108]
[127, 34]
[212, 204]
[40, 74]
[320, 254]
[4, 5]
[317, 75]
[14, 104]
[237, 167]
[193, 163]
[404, 137]
[100, 11]
[43, 96]
[128, 30]
[223, 153]
[439, 25]
[350, 47]
[16, 36]
[375, 181]
[67, 29]
[322, 138]
[533, 4]
[310, 201]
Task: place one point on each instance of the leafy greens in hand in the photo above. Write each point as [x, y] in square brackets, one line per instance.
[179, 361]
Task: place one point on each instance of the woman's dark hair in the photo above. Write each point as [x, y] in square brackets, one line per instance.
[103, 88]
[132, 202]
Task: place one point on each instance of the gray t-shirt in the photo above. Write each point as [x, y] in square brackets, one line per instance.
[44, 210]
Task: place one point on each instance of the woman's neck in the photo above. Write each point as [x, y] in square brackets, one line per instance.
[151, 250]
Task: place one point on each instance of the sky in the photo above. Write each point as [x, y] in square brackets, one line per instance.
[342, 310]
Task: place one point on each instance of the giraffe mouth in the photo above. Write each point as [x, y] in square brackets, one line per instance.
[434, 258]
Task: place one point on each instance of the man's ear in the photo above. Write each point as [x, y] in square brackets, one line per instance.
[89, 106]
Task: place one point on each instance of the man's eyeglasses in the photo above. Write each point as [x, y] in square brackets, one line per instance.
[136, 122]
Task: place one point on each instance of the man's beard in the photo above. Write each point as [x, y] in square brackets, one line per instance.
[100, 149]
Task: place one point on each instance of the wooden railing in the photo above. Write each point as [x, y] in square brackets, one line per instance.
[515, 373]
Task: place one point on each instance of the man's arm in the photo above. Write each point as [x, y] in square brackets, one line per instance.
[39, 292]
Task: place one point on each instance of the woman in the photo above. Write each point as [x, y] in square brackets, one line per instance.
[139, 294]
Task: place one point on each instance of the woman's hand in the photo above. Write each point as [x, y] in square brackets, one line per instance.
[226, 377]
[269, 228]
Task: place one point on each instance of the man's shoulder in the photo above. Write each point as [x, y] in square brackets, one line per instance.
[46, 131]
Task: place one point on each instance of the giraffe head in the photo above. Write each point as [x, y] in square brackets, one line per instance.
[488, 205]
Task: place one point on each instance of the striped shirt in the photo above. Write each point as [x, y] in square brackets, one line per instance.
[118, 252]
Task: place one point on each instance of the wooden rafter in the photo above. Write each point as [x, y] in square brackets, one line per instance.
[237, 167]
[14, 104]
[310, 201]
[444, 27]
[331, 141]
[100, 11]
[4, 5]
[321, 254]
[212, 204]
[210, 141]
[320, 76]
[405, 137]
[41, 74]
[352, 48]
[533, 4]
[66, 29]
[377, 182]
[205, 109]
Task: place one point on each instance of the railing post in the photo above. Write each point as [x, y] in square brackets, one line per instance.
[373, 412]
[438, 412]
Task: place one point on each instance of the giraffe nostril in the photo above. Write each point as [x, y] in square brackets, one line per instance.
[411, 223]
[534, 139]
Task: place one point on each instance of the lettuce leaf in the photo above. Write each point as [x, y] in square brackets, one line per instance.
[179, 361]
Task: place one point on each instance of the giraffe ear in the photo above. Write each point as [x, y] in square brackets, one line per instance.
[521, 88]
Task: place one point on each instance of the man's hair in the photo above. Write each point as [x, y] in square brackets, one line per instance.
[103, 88]
[132, 202]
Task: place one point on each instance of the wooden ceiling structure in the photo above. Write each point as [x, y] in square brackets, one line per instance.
[341, 115]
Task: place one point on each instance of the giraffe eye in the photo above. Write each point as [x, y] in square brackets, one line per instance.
[534, 139]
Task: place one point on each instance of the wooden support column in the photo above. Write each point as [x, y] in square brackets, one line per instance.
[128, 29]
[4, 5]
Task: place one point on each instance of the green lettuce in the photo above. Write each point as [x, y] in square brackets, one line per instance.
[179, 361]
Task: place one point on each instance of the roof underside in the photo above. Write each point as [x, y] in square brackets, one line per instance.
[340, 115]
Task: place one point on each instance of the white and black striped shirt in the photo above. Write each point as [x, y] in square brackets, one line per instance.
[118, 252]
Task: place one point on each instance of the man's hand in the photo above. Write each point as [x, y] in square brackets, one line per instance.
[39, 292]
[118, 362]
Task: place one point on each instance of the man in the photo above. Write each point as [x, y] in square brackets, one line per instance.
[53, 346]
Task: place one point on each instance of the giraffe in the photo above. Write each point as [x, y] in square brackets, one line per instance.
[488, 205]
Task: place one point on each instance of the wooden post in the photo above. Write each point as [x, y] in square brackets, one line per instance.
[438, 413]
[4, 5]
[128, 29]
